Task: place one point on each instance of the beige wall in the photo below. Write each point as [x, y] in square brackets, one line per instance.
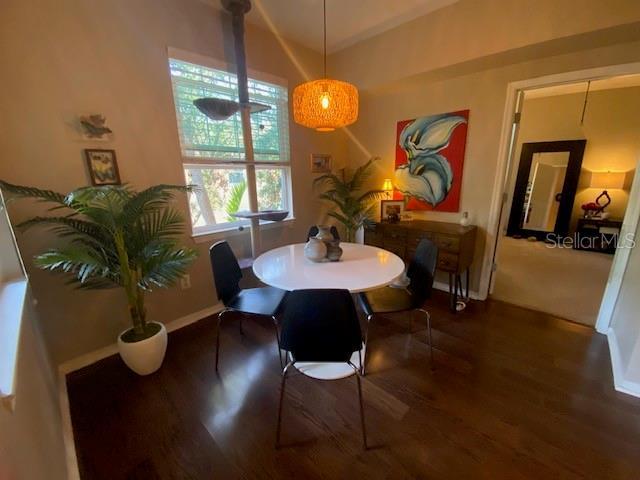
[470, 30]
[62, 58]
[610, 127]
[484, 93]
[31, 445]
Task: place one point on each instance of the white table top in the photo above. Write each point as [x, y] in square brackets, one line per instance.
[361, 268]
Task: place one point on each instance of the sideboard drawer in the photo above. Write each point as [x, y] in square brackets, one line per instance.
[373, 237]
[398, 235]
[448, 243]
[415, 237]
[448, 262]
[399, 248]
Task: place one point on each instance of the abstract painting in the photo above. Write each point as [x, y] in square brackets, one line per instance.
[429, 161]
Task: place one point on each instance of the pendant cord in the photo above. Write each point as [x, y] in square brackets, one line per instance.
[324, 13]
[584, 105]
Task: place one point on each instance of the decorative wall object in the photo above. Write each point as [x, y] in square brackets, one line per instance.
[320, 163]
[429, 161]
[94, 127]
[103, 168]
[391, 210]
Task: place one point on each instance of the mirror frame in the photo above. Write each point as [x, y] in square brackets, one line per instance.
[569, 188]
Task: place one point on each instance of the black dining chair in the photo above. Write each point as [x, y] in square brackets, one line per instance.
[322, 327]
[253, 301]
[421, 273]
[313, 231]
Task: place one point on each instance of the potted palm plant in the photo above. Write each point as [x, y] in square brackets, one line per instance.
[353, 206]
[117, 237]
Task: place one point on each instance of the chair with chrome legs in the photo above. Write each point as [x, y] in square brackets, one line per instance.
[313, 231]
[253, 301]
[421, 273]
[320, 333]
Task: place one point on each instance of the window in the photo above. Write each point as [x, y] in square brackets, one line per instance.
[213, 151]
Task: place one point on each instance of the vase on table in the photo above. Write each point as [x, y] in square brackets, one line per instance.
[315, 249]
[334, 252]
[324, 233]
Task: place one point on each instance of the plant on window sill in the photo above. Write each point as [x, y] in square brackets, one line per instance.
[354, 208]
[116, 237]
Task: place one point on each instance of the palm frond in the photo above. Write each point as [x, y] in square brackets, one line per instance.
[165, 267]
[20, 191]
[83, 263]
[235, 198]
[371, 196]
[154, 197]
[361, 175]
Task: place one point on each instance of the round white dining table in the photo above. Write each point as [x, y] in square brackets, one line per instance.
[361, 268]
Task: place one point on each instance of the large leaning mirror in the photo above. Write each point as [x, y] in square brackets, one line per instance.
[545, 188]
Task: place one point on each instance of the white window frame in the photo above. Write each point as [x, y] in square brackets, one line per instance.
[204, 162]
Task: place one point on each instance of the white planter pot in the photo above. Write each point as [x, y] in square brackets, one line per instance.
[146, 356]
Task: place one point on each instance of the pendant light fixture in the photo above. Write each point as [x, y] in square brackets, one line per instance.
[325, 104]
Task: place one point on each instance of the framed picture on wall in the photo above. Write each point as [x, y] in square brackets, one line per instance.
[320, 163]
[103, 167]
[391, 210]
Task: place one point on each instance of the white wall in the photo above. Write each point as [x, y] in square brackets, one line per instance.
[31, 445]
[624, 336]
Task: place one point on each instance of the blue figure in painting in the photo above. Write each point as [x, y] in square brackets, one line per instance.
[427, 176]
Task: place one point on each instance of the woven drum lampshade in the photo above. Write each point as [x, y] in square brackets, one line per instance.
[325, 104]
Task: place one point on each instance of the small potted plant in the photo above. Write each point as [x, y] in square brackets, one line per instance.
[117, 237]
[354, 207]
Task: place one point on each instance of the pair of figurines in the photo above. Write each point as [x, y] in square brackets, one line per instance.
[324, 247]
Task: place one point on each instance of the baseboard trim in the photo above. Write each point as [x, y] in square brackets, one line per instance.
[97, 355]
[445, 288]
[73, 472]
[619, 382]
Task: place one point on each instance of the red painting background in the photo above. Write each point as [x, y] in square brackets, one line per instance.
[454, 153]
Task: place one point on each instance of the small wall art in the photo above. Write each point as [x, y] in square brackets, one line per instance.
[94, 127]
[320, 163]
[103, 167]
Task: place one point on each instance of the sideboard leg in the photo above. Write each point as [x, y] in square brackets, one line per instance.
[467, 279]
[453, 282]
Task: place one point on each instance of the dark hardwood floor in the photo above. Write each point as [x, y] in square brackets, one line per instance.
[514, 394]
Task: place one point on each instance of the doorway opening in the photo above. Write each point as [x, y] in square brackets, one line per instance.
[568, 187]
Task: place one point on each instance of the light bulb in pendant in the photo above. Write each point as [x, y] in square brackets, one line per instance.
[324, 100]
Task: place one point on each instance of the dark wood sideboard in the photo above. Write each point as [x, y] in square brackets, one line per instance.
[455, 243]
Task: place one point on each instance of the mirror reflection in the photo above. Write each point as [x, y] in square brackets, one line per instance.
[544, 190]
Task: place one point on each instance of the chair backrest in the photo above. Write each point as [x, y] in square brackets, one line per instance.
[313, 231]
[226, 271]
[320, 325]
[422, 270]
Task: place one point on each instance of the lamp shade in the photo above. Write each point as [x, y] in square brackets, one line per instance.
[607, 180]
[387, 185]
[325, 104]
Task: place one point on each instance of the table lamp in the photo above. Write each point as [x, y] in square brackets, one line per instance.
[387, 186]
[606, 181]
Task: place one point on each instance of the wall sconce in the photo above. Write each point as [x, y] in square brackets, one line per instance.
[387, 186]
